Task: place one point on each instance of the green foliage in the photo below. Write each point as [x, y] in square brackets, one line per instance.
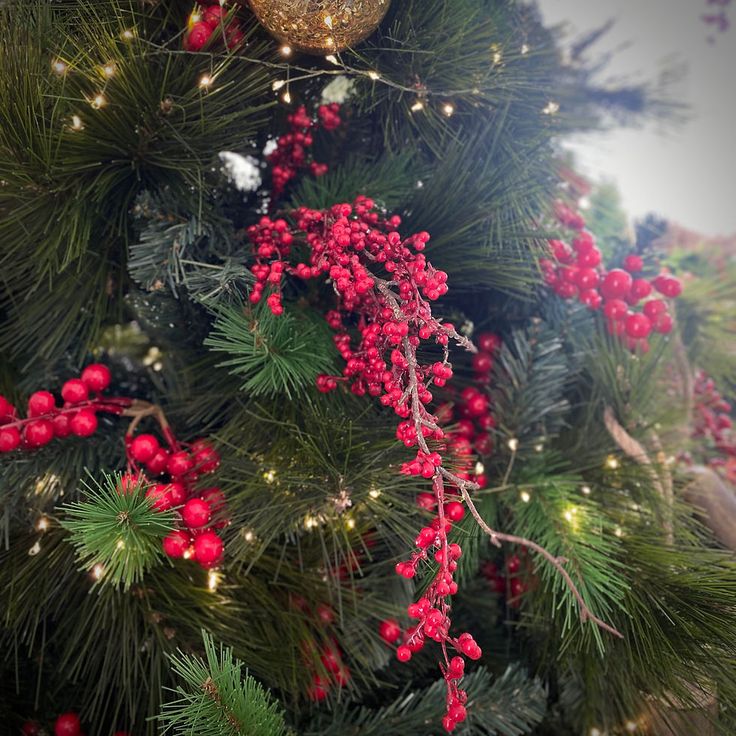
[508, 705]
[275, 355]
[217, 698]
[119, 531]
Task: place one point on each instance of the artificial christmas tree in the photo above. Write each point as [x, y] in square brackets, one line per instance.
[312, 369]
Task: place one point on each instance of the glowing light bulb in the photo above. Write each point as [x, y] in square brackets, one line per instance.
[525, 48]
[350, 523]
[33, 551]
[375, 493]
[127, 35]
[585, 490]
[417, 106]
[213, 580]
[285, 50]
[568, 515]
[525, 496]
[373, 75]
[630, 726]
[329, 41]
[310, 522]
[286, 97]
[513, 444]
[332, 59]
[77, 123]
[269, 476]
[551, 108]
[98, 571]
[60, 67]
[249, 536]
[595, 732]
[612, 462]
[120, 544]
[188, 553]
[538, 447]
[108, 70]
[479, 468]
[328, 21]
[277, 85]
[205, 81]
[98, 101]
[42, 524]
[448, 109]
[619, 532]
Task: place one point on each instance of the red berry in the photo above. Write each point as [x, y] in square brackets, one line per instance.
[654, 307]
[83, 423]
[74, 391]
[638, 325]
[61, 425]
[38, 433]
[633, 263]
[9, 439]
[640, 289]
[587, 278]
[663, 323]
[157, 464]
[67, 724]
[325, 614]
[208, 549]
[40, 403]
[144, 447]
[180, 463]
[129, 482]
[669, 286]
[488, 342]
[457, 713]
[31, 728]
[403, 653]
[97, 377]
[331, 661]
[159, 497]
[7, 411]
[176, 493]
[197, 37]
[196, 513]
[516, 587]
[454, 511]
[482, 363]
[389, 630]
[342, 676]
[176, 544]
[215, 498]
[513, 564]
[616, 284]
[213, 15]
[477, 405]
[589, 258]
[206, 458]
[426, 501]
[448, 724]
[319, 689]
[615, 309]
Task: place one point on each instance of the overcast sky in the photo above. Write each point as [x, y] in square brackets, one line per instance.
[689, 174]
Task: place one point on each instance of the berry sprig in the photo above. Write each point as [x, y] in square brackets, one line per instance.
[67, 724]
[175, 467]
[292, 149]
[713, 426]
[205, 22]
[575, 271]
[384, 285]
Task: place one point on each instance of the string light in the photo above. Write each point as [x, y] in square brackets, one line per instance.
[595, 732]
[285, 50]
[374, 493]
[269, 476]
[329, 41]
[332, 59]
[42, 524]
[205, 81]
[448, 109]
[120, 544]
[630, 726]
[310, 522]
[496, 56]
[286, 97]
[538, 447]
[479, 468]
[127, 35]
[585, 490]
[188, 553]
[213, 580]
[569, 515]
[98, 101]
[33, 551]
[619, 532]
[417, 106]
[373, 75]
[525, 496]
[76, 123]
[194, 18]
[551, 108]
[328, 21]
[350, 523]
[525, 48]
[248, 536]
[278, 84]
[513, 444]
[98, 571]
[108, 70]
[612, 462]
[60, 67]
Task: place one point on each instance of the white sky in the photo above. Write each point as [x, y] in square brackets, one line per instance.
[687, 175]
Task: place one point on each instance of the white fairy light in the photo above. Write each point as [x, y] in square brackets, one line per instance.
[278, 84]
[619, 532]
[479, 468]
[448, 109]
[269, 476]
[328, 21]
[213, 580]
[249, 536]
[417, 106]
[525, 48]
[538, 447]
[551, 108]
[373, 75]
[513, 444]
[108, 70]
[374, 493]
[585, 490]
[33, 551]
[60, 67]
[98, 571]
[310, 522]
[612, 462]
[285, 50]
[525, 496]
[120, 544]
[630, 726]
[98, 101]
[205, 81]
[350, 523]
[286, 97]
[42, 524]
[332, 59]
[128, 34]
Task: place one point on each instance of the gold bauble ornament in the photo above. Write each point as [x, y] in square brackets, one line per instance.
[320, 26]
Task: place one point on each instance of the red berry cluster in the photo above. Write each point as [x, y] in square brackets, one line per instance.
[512, 583]
[712, 422]
[46, 419]
[181, 467]
[291, 152]
[575, 271]
[67, 724]
[352, 245]
[203, 26]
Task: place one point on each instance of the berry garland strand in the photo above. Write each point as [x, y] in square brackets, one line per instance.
[201, 511]
[384, 284]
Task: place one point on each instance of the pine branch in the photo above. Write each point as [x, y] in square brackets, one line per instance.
[217, 699]
[117, 534]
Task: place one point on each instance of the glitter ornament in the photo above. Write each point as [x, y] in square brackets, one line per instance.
[319, 26]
